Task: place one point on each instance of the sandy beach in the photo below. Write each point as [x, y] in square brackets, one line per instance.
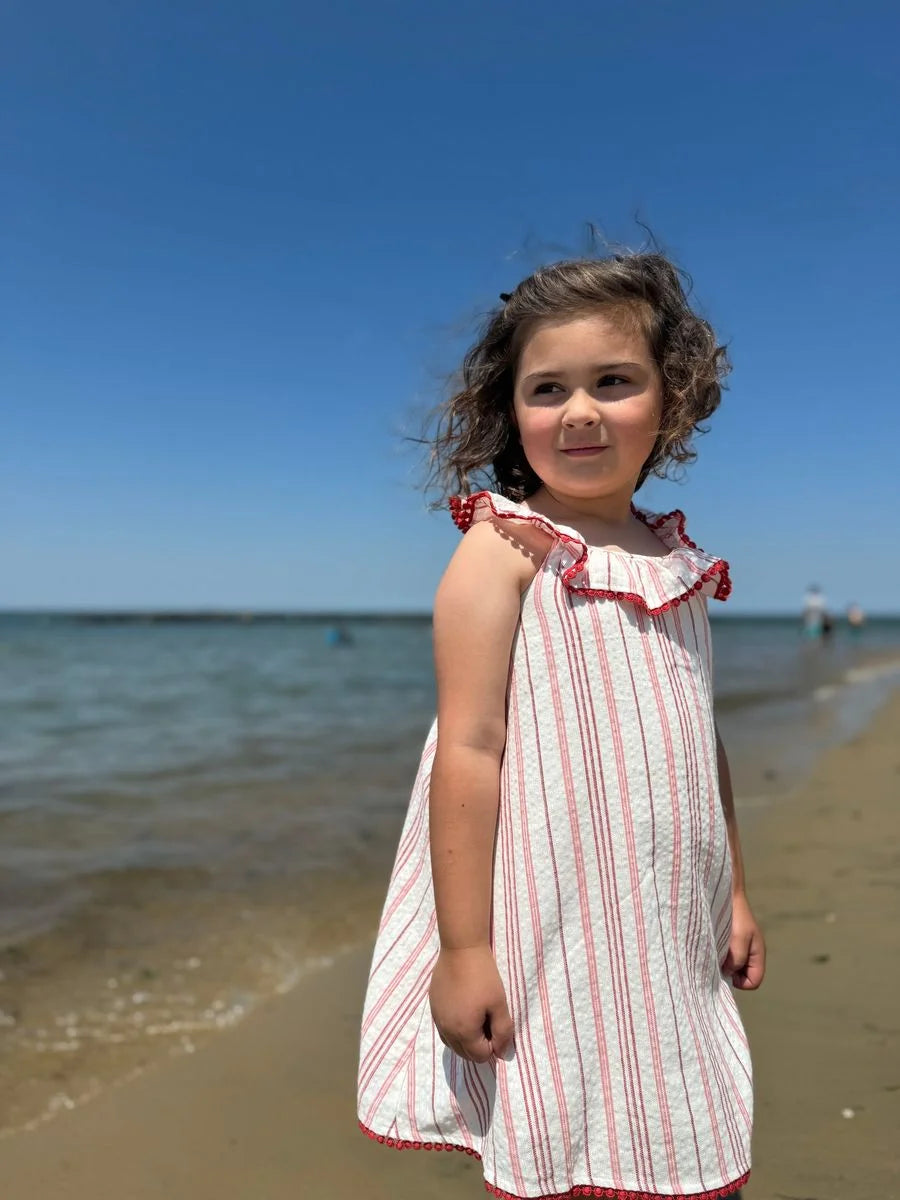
[266, 1111]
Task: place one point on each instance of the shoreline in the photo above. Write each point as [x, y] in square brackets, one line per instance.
[267, 1109]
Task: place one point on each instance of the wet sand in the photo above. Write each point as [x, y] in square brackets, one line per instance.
[825, 1027]
[266, 1111]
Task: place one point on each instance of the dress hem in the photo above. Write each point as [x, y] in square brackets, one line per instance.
[576, 1190]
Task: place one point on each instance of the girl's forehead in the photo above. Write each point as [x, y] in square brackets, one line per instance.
[584, 337]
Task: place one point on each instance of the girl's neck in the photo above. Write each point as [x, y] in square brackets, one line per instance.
[612, 511]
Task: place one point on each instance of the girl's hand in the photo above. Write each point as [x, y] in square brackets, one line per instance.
[746, 958]
[468, 1004]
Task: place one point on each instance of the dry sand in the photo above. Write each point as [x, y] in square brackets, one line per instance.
[266, 1111]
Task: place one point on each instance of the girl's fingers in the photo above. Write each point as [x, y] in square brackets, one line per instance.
[473, 1045]
[476, 1049]
[501, 1027]
[756, 962]
[738, 951]
[494, 1039]
[745, 981]
[751, 975]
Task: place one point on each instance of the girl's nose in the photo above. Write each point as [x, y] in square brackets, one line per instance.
[581, 410]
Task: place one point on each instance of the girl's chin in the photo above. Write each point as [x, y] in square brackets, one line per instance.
[588, 475]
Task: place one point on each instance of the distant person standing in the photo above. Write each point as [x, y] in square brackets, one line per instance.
[856, 619]
[815, 613]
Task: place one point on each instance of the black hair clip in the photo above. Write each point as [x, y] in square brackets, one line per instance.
[504, 296]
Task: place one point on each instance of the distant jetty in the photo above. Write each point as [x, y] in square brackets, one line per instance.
[175, 617]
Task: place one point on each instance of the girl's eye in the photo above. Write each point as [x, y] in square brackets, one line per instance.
[545, 389]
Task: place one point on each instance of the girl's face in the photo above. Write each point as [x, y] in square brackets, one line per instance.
[587, 381]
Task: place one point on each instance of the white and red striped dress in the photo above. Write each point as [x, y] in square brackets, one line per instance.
[611, 905]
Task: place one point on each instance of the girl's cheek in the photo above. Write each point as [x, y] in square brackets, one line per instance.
[540, 427]
[639, 421]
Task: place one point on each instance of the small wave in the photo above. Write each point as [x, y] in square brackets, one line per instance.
[175, 1022]
[759, 696]
[872, 672]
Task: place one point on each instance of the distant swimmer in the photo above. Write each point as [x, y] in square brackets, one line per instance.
[337, 635]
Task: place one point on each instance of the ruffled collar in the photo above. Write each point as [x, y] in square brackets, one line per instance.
[655, 584]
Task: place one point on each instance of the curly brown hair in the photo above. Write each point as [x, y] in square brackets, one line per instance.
[475, 432]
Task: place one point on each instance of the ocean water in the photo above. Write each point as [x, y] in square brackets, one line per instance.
[195, 813]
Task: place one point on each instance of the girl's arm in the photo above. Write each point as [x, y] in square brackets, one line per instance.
[746, 960]
[475, 618]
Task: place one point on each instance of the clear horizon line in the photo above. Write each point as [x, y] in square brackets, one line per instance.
[238, 612]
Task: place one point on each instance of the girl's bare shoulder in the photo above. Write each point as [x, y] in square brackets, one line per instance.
[495, 552]
[476, 611]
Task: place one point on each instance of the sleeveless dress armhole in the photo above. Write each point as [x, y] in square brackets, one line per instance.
[483, 506]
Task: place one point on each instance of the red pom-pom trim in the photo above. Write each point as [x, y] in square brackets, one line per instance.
[462, 509]
[578, 1190]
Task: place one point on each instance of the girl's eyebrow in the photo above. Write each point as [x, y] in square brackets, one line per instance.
[599, 368]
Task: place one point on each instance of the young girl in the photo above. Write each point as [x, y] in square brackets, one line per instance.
[550, 984]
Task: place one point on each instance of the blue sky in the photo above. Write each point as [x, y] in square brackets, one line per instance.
[244, 244]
